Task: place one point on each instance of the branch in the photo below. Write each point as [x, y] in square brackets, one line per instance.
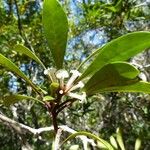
[84, 139]
[64, 105]
[20, 28]
[57, 139]
[21, 128]
[18, 127]
[19, 20]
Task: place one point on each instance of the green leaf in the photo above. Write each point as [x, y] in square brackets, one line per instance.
[112, 75]
[137, 144]
[11, 99]
[22, 49]
[120, 139]
[5, 62]
[93, 55]
[113, 142]
[48, 98]
[140, 86]
[120, 49]
[118, 5]
[56, 29]
[92, 136]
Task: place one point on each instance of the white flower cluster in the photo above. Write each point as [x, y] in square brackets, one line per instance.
[69, 86]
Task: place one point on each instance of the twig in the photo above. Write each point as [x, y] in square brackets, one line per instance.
[20, 28]
[57, 139]
[54, 120]
[19, 20]
[64, 105]
[21, 128]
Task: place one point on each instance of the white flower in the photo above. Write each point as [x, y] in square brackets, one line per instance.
[49, 70]
[61, 75]
[82, 97]
[51, 73]
[74, 76]
[143, 76]
[70, 85]
[79, 85]
[46, 71]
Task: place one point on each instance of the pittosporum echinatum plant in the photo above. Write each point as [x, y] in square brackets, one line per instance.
[105, 70]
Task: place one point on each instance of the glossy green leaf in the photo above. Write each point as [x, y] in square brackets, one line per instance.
[120, 49]
[11, 99]
[56, 29]
[5, 62]
[111, 75]
[120, 139]
[22, 49]
[92, 56]
[92, 136]
[140, 86]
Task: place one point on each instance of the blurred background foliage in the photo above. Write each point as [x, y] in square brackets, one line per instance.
[92, 24]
